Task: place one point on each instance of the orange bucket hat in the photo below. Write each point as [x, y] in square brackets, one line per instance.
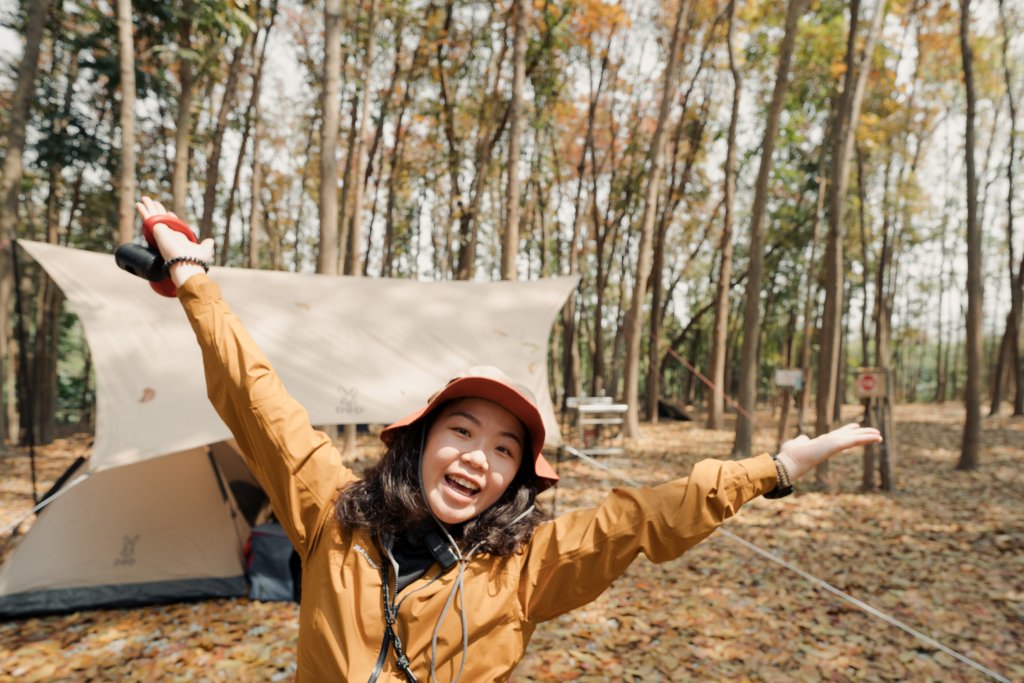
[487, 382]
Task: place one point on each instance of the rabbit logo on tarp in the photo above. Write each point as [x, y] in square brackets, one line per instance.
[348, 401]
[127, 558]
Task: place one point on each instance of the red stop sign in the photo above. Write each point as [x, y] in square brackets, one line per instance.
[870, 383]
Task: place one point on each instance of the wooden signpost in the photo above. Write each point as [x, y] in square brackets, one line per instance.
[872, 387]
[788, 380]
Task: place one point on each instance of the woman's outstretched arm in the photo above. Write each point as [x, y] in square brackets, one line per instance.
[296, 465]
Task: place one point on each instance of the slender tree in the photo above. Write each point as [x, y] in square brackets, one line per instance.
[975, 349]
[749, 362]
[259, 58]
[21, 104]
[227, 103]
[571, 362]
[183, 120]
[847, 116]
[634, 318]
[719, 339]
[256, 209]
[352, 208]
[327, 253]
[126, 170]
[510, 240]
[1009, 361]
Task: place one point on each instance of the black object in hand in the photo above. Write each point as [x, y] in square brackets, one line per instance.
[146, 260]
[141, 260]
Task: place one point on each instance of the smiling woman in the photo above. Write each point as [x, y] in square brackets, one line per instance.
[437, 562]
[472, 453]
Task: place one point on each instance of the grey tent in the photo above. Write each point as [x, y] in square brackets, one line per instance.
[162, 507]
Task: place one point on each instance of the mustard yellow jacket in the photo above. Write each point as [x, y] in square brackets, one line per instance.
[568, 562]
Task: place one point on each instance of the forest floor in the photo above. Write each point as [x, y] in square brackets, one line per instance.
[944, 554]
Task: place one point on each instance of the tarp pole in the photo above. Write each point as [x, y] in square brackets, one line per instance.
[23, 370]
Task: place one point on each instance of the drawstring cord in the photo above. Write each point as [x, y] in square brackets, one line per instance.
[457, 590]
[391, 613]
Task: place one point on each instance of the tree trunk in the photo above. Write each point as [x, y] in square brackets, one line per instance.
[510, 241]
[394, 176]
[865, 254]
[619, 341]
[809, 316]
[126, 174]
[571, 369]
[217, 144]
[848, 114]
[327, 252]
[634, 318]
[183, 120]
[749, 362]
[491, 125]
[719, 337]
[354, 188]
[395, 158]
[941, 350]
[256, 229]
[259, 59]
[1011, 335]
[42, 361]
[870, 452]
[298, 213]
[356, 193]
[21, 105]
[597, 364]
[975, 362]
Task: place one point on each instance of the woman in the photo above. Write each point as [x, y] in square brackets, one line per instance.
[437, 564]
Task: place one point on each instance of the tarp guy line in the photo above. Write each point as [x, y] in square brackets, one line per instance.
[813, 579]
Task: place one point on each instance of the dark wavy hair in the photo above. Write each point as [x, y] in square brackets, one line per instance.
[389, 499]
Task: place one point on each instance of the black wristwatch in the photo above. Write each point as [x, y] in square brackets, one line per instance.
[785, 485]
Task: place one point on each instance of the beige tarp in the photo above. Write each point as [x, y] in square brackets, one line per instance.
[352, 350]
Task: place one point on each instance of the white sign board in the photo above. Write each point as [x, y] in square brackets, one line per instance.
[789, 378]
[870, 383]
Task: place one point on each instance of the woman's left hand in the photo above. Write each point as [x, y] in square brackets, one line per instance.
[802, 453]
[172, 243]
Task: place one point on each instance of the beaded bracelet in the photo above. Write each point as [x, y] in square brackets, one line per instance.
[187, 259]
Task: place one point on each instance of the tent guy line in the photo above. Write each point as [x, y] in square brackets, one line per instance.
[35, 509]
[821, 583]
[711, 385]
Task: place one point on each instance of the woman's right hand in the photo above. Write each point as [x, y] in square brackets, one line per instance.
[802, 454]
[172, 243]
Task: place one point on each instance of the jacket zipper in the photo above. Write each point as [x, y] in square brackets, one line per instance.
[386, 642]
[391, 614]
[384, 646]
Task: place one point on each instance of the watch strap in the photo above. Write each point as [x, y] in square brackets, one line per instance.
[784, 487]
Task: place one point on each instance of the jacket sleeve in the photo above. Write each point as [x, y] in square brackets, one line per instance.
[298, 466]
[571, 560]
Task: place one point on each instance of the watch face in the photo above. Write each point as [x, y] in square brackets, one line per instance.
[779, 492]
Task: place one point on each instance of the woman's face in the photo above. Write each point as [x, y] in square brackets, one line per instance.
[472, 453]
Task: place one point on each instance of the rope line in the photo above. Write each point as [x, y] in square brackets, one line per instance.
[821, 583]
[863, 605]
[43, 503]
[714, 387]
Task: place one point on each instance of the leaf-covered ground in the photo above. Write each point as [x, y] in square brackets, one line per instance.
[944, 554]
